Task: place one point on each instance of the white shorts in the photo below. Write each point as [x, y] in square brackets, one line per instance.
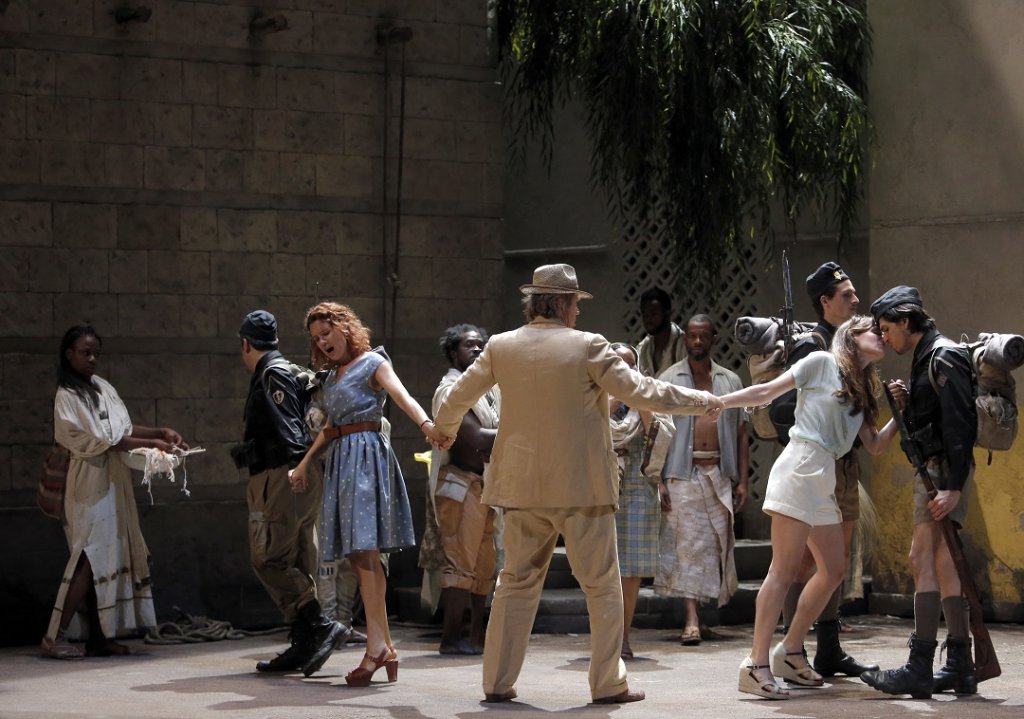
[802, 485]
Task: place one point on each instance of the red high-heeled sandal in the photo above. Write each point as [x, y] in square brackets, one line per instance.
[360, 676]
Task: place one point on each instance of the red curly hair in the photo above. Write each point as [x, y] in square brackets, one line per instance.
[357, 336]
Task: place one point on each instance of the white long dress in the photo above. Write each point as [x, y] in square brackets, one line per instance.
[100, 515]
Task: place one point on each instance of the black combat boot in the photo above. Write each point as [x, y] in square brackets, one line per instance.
[913, 678]
[295, 656]
[829, 658]
[325, 635]
[958, 671]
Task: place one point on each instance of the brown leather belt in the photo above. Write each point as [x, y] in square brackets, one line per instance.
[332, 433]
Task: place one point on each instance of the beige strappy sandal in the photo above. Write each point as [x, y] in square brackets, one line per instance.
[750, 684]
[803, 675]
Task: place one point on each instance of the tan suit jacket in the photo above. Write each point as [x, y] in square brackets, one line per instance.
[554, 447]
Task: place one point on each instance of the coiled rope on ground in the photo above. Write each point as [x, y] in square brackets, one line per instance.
[193, 629]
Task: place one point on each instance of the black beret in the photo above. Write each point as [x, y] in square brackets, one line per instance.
[824, 278]
[899, 295]
[260, 328]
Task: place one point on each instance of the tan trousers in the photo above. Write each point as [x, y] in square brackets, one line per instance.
[467, 533]
[283, 545]
[530, 536]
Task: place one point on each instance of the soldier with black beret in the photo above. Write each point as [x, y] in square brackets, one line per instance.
[835, 300]
[940, 413]
[282, 525]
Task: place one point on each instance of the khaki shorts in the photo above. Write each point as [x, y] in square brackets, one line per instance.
[848, 486]
[938, 470]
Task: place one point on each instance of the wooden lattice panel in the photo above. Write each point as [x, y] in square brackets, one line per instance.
[732, 295]
[648, 264]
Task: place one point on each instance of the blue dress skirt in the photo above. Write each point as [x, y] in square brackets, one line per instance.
[366, 505]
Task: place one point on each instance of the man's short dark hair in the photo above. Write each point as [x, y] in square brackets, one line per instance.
[917, 319]
[656, 294]
[816, 301]
[551, 306]
[454, 334]
[703, 318]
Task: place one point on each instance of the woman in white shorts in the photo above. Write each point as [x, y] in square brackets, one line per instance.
[837, 399]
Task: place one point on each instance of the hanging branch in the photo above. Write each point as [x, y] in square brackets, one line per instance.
[703, 114]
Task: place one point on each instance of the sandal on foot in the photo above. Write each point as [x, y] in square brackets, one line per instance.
[361, 676]
[802, 674]
[60, 648]
[626, 652]
[690, 637]
[750, 684]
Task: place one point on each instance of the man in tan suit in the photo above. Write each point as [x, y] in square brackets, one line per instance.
[553, 470]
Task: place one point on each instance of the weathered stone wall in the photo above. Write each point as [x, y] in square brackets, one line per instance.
[160, 179]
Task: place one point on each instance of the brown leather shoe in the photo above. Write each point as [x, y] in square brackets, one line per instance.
[624, 697]
[502, 697]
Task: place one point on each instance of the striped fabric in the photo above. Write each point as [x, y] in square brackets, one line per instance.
[697, 539]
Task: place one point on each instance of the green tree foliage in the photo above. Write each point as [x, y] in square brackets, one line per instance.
[703, 114]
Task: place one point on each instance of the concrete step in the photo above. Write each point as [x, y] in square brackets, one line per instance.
[753, 557]
[564, 610]
[559, 572]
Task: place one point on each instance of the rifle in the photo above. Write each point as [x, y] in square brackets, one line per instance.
[787, 308]
[985, 661]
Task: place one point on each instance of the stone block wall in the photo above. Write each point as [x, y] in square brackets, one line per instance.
[161, 178]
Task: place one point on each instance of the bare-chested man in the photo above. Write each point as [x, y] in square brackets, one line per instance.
[466, 526]
[703, 483]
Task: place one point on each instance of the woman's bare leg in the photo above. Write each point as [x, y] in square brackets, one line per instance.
[373, 588]
[789, 539]
[79, 589]
[826, 544]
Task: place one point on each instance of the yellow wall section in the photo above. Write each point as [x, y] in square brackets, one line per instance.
[993, 536]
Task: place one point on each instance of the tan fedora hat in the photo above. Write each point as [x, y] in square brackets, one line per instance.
[555, 280]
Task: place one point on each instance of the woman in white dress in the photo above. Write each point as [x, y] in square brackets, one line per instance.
[108, 571]
[837, 400]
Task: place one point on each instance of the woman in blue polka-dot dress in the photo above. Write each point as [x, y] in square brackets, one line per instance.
[366, 507]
